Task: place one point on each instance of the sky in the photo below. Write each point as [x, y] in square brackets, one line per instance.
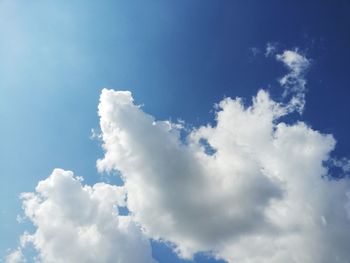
[123, 134]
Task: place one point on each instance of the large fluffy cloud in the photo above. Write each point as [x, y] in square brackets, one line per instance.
[76, 223]
[250, 188]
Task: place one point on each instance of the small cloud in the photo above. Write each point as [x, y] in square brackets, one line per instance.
[294, 61]
[271, 49]
[342, 163]
[95, 135]
[255, 51]
[294, 82]
[20, 219]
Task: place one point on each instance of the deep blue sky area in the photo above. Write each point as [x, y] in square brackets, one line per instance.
[177, 57]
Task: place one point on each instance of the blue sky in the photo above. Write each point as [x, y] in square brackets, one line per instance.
[178, 58]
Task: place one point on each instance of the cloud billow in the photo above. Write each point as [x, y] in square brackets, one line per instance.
[77, 223]
[260, 197]
[262, 194]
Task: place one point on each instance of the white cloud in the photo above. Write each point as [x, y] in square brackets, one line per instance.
[296, 62]
[263, 196]
[343, 164]
[271, 49]
[294, 81]
[15, 256]
[255, 51]
[261, 193]
[76, 223]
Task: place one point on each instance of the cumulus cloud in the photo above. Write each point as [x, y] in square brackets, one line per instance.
[248, 189]
[79, 223]
[261, 195]
[15, 256]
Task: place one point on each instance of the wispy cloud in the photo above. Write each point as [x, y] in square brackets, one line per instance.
[294, 82]
[255, 51]
[271, 49]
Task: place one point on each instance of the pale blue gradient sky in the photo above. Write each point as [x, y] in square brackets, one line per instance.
[177, 57]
